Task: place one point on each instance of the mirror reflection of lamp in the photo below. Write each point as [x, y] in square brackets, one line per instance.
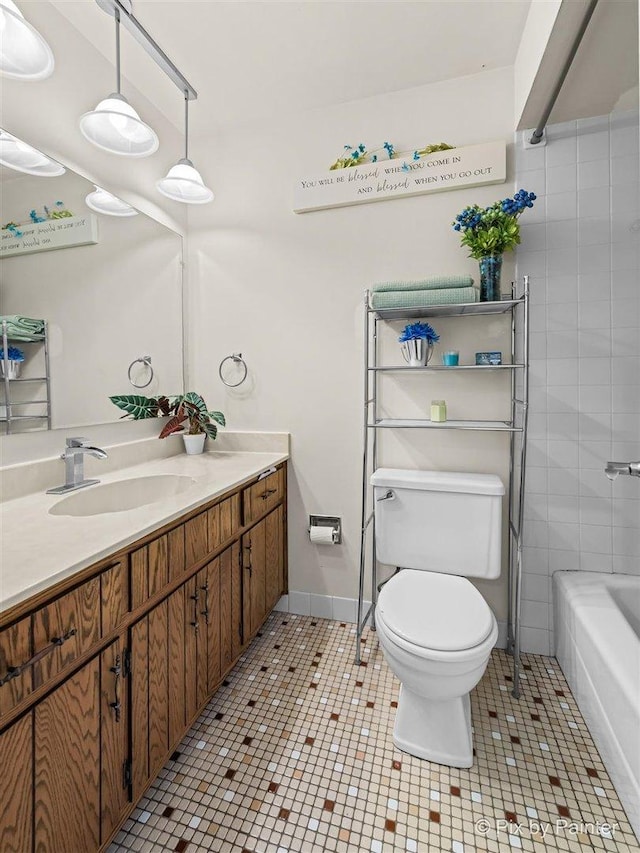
[16, 154]
[24, 54]
[105, 202]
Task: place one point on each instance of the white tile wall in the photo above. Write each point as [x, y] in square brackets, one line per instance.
[581, 249]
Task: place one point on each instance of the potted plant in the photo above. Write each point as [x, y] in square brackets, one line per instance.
[489, 232]
[11, 364]
[417, 341]
[189, 407]
[201, 422]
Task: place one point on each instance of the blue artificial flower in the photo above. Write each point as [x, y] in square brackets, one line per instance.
[419, 331]
[374, 158]
[416, 156]
[361, 148]
[389, 148]
[13, 354]
[348, 147]
[404, 167]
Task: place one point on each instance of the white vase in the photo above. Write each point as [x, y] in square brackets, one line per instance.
[194, 444]
[417, 352]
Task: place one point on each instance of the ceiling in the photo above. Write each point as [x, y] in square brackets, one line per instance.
[605, 67]
[252, 61]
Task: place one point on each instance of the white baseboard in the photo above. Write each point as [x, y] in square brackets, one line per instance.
[342, 610]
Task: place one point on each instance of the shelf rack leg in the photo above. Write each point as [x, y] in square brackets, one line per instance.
[517, 563]
[361, 617]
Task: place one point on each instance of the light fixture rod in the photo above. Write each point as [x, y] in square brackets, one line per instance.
[186, 126]
[117, 17]
[149, 44]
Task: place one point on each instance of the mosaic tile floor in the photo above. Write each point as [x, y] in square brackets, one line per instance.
[294, 753]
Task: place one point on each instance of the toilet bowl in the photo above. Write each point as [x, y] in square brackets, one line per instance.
[436, 632]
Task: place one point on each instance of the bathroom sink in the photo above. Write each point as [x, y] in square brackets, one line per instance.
[122, 495]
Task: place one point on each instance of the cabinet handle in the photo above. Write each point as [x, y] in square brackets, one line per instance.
[205, 612]
[195, 598]
[268, 493]
[249, 568]
[54, 642]
[116, 670]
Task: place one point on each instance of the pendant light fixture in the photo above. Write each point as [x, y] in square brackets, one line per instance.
[105, 202]
[114, 125]
[24, 54]
[183, 181]
[17, 155]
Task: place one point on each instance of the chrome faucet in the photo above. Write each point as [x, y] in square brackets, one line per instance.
[73, 456]
[614, 469]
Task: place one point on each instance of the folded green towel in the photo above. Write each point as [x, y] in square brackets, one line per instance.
[432, 282]
[22, 328]
[424, 298]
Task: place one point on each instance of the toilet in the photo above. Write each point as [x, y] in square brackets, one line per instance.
[435, 629]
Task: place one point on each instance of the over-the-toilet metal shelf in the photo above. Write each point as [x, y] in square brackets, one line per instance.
[9, 403]
[517, 307]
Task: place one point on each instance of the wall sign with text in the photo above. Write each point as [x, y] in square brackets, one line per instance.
[468, 166]
[50, 234]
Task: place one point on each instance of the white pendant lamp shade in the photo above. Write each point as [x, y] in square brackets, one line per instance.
[184, 183]
[104, 202]
[115, 126]
[24, 54]
[17, 155]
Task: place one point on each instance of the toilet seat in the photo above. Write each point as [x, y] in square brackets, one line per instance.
[435, 612]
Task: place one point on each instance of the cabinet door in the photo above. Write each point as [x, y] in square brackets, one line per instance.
[176, 675]
[67, 765]
[139, 640]
[274, 558]
[197, 619]
[114, 745]
[16, 786]
[212, 620]
[254, 575]
[158, 687]
[231, 623]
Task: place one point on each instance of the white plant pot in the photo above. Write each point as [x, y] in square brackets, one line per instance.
[194, 444]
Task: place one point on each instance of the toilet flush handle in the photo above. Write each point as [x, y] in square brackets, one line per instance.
[389, 495]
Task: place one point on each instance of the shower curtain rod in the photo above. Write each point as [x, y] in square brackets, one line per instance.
[538, 133]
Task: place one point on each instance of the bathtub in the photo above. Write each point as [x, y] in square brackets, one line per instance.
[597, 629]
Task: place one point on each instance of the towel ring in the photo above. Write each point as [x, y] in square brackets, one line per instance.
[146, 360]
[236, 358]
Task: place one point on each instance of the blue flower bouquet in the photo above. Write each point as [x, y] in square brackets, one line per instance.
[417, 341]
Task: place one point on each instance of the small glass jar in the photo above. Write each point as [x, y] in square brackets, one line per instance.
[438, 411]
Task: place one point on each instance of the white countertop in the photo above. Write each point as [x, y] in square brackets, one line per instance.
[38, 549]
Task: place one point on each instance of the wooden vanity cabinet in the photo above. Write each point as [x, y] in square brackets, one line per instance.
[106, 675]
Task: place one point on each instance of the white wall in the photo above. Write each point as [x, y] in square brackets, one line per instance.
[107, 304]
[581, 246]
[286, 290]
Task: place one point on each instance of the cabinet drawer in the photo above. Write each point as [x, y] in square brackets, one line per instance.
[15, 651]
[263, 496]
[65, 629]
[223, 521]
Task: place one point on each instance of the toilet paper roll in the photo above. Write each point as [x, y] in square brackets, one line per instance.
[321, 535]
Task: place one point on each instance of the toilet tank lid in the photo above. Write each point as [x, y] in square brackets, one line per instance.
[438, 481]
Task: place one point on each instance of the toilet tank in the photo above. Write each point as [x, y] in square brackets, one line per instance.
[439, 521]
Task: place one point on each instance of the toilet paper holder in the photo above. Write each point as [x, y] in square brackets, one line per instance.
[332, 521]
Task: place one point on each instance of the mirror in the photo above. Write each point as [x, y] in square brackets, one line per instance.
[109, 289]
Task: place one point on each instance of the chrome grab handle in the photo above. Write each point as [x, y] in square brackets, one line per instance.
[630, 469]
[389, 495]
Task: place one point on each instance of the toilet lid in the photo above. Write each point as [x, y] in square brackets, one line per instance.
[434, 611]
